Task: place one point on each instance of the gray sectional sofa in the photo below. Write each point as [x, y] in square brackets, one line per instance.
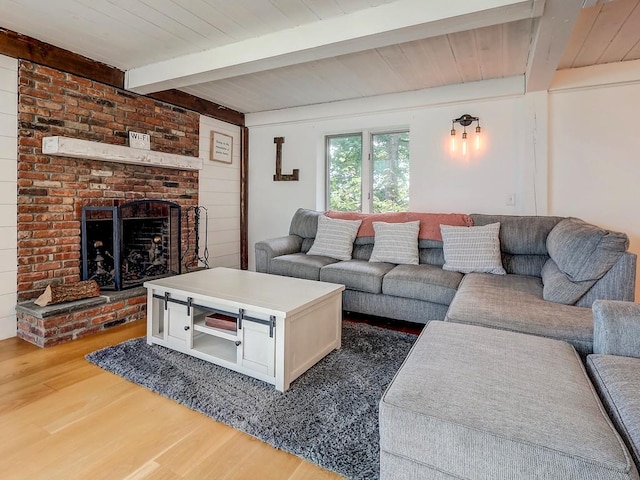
[496, 391]
[515, 301]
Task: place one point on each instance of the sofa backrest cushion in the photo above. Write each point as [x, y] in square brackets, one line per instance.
[619, 283]
[530, 265]
[523, 240]
[520, 235]
[362, 251]
[583, 251]
[580, 255]
[558, 288]
[429, 251]
[304, 223]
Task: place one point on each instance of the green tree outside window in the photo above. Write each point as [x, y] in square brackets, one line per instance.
[389, 172]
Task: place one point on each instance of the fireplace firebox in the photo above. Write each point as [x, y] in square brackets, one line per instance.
[124, 246]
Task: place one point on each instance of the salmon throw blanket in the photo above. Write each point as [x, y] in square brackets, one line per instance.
[429, 222]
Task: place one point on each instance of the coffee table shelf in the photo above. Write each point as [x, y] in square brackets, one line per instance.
[215, 346]
[199, 326]
[283, 325]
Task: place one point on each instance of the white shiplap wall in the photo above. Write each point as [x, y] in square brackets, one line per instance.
[220, 194]
[8, 194]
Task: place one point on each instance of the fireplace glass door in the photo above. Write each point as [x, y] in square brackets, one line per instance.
[124, 246]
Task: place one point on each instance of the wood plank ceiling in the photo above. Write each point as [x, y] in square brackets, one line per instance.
[444, 46]
[604, 33]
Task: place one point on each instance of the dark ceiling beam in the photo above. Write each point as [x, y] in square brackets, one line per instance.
[200, 105]
[23, 47]
[27, 48]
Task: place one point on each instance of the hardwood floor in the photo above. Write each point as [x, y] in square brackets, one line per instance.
[64, 418]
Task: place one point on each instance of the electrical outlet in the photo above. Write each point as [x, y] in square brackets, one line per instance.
[511, 200]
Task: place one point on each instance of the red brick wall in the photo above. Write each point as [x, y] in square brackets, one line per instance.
[52, 190]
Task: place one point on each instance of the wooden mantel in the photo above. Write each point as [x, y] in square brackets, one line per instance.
[76, 148]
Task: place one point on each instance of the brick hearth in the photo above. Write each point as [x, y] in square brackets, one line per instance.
[54, 324]
[52, 190]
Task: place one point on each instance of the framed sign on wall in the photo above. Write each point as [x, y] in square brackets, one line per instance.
[221, 147]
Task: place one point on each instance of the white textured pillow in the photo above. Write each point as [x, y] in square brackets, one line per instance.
[335, 237]
[472, 249]
[396, 242]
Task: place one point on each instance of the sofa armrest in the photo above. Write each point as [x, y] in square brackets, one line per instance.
[274, 247]
[616, 328]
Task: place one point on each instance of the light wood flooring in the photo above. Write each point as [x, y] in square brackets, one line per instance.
[64, 418]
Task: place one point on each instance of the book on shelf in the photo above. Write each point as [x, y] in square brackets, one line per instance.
[223, 322]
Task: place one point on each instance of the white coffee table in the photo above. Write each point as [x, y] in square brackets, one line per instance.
[283, 325]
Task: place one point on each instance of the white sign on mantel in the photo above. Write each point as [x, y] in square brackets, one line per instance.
[221, 147]
[140, 140]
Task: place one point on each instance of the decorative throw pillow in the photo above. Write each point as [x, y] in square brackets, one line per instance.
[396, 242]
[335, 238]
[472, 249]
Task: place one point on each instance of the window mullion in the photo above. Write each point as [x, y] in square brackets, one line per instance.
[367, 173]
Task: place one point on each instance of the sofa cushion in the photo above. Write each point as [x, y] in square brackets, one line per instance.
[617, 379]
[304, 223]
[362, 251]
[424, 282]
[523, 264]
[396, 243]
[388, 306]
[514, 302]
[335, 238]
[558, 288]
[476, 403]
[472, 249]
[619, 283]
[306, 245]
[300, 265]
[357, 274]
[520, 235]
[583, 251]
[429, 251]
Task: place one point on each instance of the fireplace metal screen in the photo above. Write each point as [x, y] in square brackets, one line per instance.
[124, 246]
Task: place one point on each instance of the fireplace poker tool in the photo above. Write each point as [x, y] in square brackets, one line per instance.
[204, 259]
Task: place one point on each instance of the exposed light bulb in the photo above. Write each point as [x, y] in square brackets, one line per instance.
[478, 137]
[464, 144]
[453, 141]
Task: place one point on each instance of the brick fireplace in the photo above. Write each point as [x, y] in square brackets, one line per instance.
[52, 190]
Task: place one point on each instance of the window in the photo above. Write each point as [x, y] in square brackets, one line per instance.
[371, 176]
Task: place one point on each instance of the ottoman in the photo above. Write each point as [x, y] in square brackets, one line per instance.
[478, 403]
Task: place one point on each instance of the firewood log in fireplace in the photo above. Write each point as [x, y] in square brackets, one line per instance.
[58, 293]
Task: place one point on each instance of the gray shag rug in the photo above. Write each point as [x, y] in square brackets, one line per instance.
[328, 416]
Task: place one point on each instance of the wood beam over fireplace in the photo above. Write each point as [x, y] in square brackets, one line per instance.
[76, 148]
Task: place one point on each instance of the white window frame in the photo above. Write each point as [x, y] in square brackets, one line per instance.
[367, 162]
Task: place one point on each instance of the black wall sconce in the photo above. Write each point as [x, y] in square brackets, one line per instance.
[465, 120]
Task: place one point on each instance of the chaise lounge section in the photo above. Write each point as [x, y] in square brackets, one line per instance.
[478, 403]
